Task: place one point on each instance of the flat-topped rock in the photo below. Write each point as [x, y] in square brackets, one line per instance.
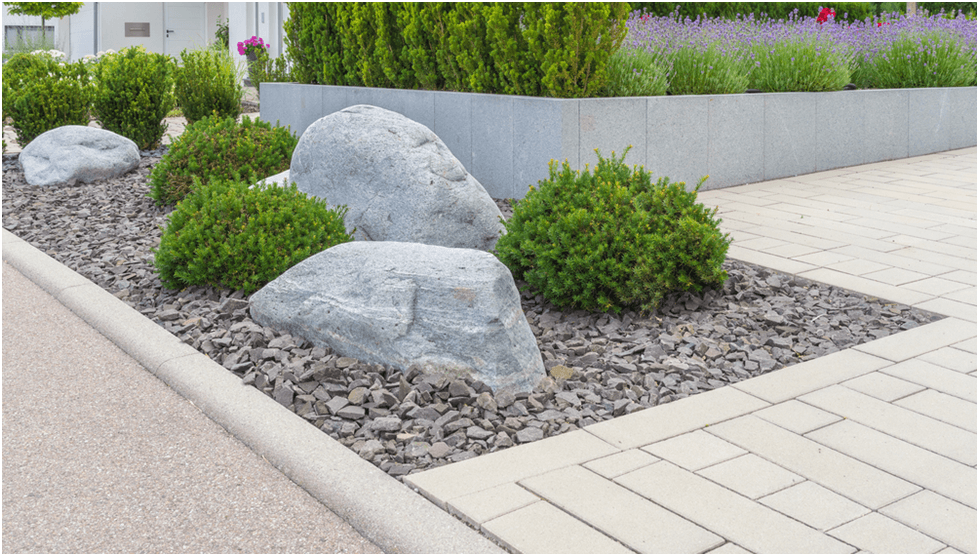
[80, 153]
[451, 311]
[397, 178]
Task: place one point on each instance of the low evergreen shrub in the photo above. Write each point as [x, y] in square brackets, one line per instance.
[216, 147]
[41, 92]
[612, 238]
[229, 234]
[208, 83]
[134, 93]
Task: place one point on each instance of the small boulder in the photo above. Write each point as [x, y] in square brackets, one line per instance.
[397, 178]
[79, 153]
[450, 311]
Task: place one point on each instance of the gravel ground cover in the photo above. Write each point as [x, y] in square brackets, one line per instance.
[599, 366]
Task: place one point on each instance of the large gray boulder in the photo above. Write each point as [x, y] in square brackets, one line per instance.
[453, 311]
[79, 153]
[398, 179]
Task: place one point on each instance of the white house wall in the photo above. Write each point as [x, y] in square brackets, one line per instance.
[81, 32]
[113, 17]
[259, 19]
[60, 43]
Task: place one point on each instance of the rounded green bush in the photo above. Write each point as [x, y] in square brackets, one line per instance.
[229, 234]
[209, 82]
[612, 239]
[134, 94]
[41, 92]
[216, 147]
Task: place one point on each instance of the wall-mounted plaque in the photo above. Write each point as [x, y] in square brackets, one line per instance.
[141, 29]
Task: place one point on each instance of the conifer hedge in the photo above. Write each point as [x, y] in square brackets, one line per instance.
[551, 49]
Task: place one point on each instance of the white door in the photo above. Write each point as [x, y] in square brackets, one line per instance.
[186, 24]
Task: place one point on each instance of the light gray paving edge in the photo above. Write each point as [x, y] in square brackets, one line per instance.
[381, 508]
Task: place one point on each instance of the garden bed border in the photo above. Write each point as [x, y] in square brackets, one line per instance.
[507, 141]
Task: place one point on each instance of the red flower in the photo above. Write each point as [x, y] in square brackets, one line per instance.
[825, 14]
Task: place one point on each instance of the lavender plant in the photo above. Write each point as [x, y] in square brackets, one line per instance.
[636, 73]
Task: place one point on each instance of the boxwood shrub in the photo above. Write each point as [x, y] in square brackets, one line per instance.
[611, 239]
[230, 234]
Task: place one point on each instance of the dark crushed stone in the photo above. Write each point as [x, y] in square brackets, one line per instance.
[600, 365]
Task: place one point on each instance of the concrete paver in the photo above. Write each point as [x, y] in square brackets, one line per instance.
[743, 521]
[620, 513]
[901, 459]
[694, 450]
[939, 518]
[815, 506]
[952, 358]
[945, 408]
[883, 387]
[945, 380]
[621, 463]
[750, 476]
[901, 423]
[797, 417]
[543, 529]
[882, 535]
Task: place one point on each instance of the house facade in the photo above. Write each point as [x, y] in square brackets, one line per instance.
[164, 27]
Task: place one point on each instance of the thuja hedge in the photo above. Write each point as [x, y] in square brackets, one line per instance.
[539, 49]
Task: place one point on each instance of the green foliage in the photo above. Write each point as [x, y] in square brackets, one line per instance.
[635, 73]
[935, 58]
[134, 94]
[572, 42]
[208, 83]
[46, 10]
[707, 70]
[228, 234]
[612, 239]
[853, 11]
[222, 32]
[802, 63]
[41, 93]
[216, 147]
[425, 29]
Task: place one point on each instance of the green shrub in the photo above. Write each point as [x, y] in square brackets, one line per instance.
[936, 58]
[216, 147]
[707, 69]
[134, 94]
[40, 93]
[802, 63]
[228, 234]
[635, 73]
[266, 69]
[612, 239]
[208, 83]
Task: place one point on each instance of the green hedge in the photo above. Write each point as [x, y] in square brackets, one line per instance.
[538, 49]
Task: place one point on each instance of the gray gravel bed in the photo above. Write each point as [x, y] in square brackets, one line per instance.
[600, 365]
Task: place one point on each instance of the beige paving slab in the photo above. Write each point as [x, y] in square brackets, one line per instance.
[508, 466]
[965, 295]
[966, 345]
[938, 378]
[694, 450]
[858, 267]
[796, 380]
[937, 517]
[625, 516]
[936, 286]
[925, 338]
[949, 550]
[764, 259]
[621, 463]
[943, 407]
[883, 386]
[878, 534]
[796, 416]
[675, 418]
[750, 476]
[485, 505]
[738, 519]
[951, 358]
[920, 430]
[814, 505]
[939, 258]
[729, 548]
[830, 468]
[792, 250]
[543, 529]
[826, 258]
[891, 259]
[865, 285]
[895, 276]
[961, 276]
[955, 309]
[902, 459]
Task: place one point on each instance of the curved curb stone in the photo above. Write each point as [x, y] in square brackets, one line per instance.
[382, 509]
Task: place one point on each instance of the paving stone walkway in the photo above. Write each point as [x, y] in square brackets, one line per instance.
[871, 449]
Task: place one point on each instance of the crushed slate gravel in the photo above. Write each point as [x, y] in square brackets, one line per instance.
[599, 365]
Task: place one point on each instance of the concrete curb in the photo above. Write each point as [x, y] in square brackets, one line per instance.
[378, 506]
